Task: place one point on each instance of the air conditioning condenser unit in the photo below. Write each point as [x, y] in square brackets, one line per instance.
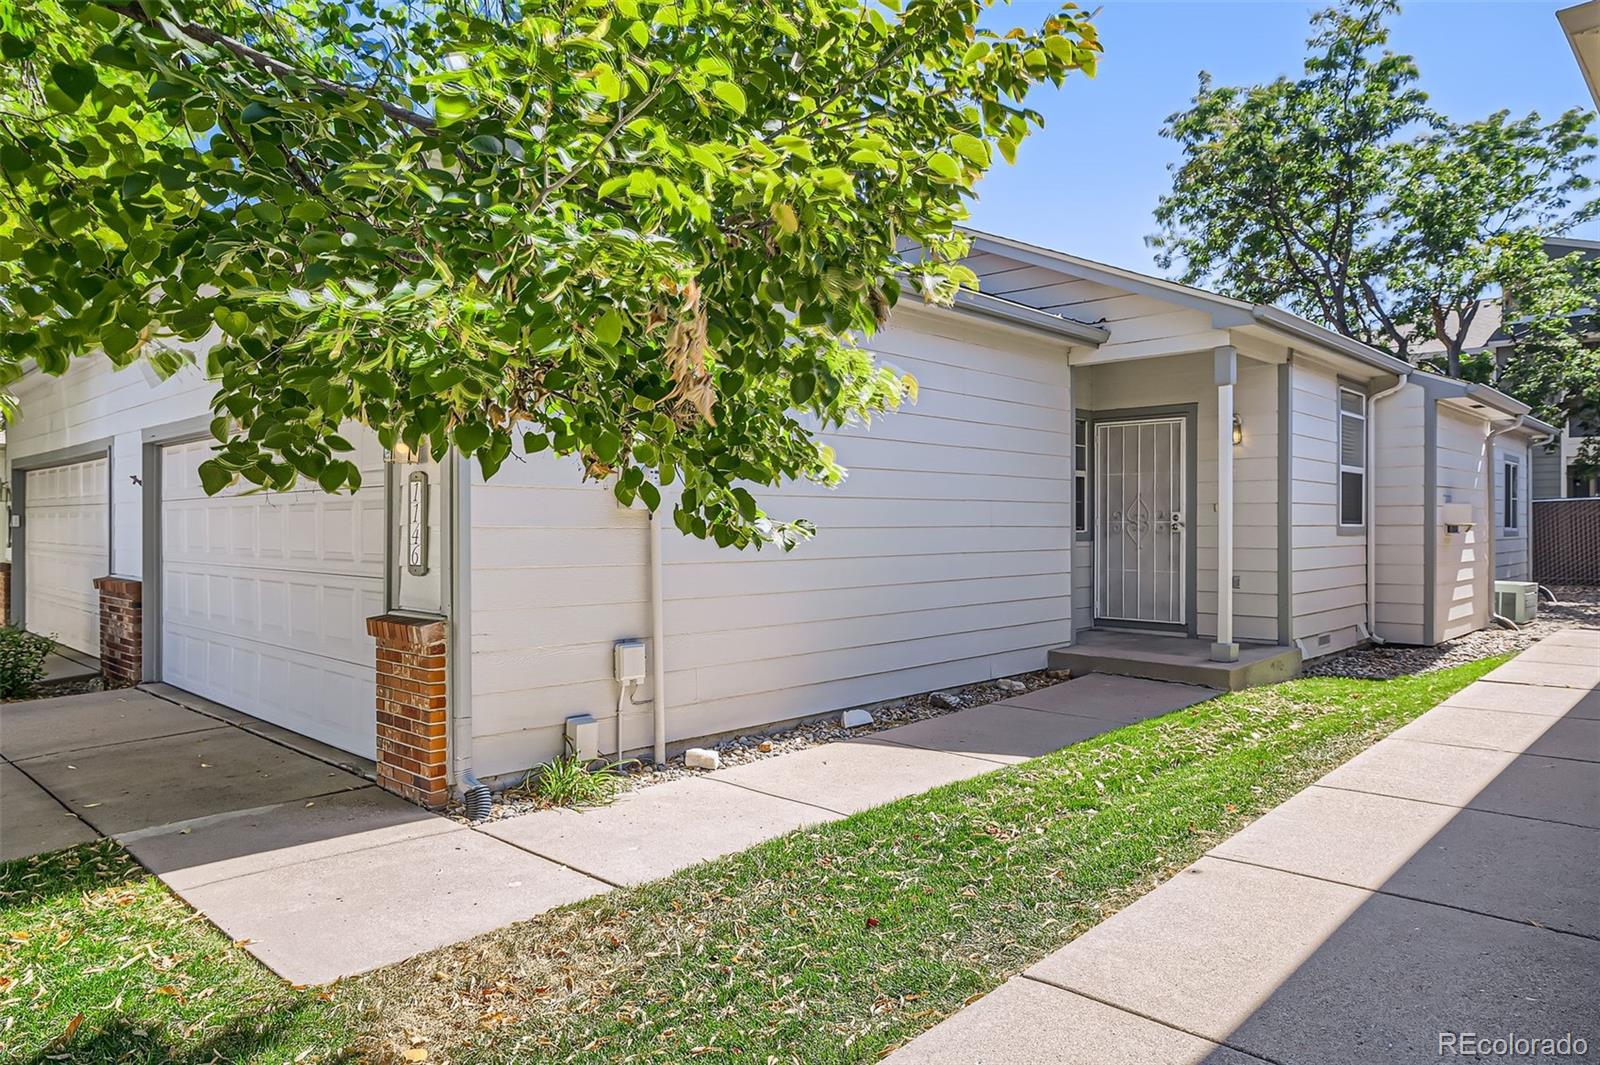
[1516, 600]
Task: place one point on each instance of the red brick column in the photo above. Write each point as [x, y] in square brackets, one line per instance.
[413, 714]
[121, 631]
[5, 593]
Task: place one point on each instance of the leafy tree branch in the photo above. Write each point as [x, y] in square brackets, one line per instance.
[648, 234]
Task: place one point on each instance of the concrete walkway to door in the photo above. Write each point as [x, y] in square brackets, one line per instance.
[1441, 883]
[327, 876]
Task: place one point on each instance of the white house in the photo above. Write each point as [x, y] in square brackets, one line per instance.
[1095, 453]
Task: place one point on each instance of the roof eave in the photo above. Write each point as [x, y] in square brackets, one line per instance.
[1028, 317]
[1294, 325]
[1225, 310]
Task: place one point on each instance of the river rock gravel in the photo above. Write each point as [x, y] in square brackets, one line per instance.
[1579, 606]
[755, 746]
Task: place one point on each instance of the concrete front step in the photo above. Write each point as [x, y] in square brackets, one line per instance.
[1174, 658]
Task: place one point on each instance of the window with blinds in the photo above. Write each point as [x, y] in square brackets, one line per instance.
[1352, 458]
[1080, 474]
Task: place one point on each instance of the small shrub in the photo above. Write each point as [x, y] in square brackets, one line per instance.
[22, 656]
[566, 781]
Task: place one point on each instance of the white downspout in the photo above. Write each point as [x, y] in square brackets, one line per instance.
[1489, 519]
[1543, 441]
[1372, 506]
[658, 644]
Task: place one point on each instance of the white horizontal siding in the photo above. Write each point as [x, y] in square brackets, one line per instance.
[93, 401]
[1461, 574]
[944, 558]
[1512, 557]
[1330, 576]
[1398, 477]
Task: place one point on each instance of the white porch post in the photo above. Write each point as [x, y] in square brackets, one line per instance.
[1227, 372]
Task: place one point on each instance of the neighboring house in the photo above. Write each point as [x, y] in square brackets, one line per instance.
[1069, 466]
[1568, 468]
[1562, 468]
[1565, 467]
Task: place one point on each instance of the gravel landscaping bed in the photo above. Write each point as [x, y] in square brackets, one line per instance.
[755, 746]
[1579, 607]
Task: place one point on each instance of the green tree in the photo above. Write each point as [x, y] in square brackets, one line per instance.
[1343, 196]
[645, 233]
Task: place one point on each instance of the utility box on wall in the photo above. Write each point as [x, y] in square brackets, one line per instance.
[1456, 517]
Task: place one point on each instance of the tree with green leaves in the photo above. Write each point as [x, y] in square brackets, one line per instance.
[648, 234]
[1344, 197]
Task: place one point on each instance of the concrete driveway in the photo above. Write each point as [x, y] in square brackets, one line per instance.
[322, 872]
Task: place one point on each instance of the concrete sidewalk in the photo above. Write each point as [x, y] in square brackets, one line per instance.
[326, 876]
[655, 831]
[1442, 882]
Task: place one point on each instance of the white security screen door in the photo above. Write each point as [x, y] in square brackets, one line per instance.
[1141, 509]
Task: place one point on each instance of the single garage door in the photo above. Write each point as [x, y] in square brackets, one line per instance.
[265, 596]
[66, 545]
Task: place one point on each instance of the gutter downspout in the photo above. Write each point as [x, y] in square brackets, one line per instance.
[459, 590]
[658, 640]
[1543, 441]
[1491, 517]
[1372, 507]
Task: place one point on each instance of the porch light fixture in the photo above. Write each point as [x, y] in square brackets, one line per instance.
[403, 455]
[1238, 431]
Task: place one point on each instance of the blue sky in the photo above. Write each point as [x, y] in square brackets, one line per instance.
[1089, 181]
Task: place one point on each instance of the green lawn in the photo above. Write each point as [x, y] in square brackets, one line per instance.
[829, 945]
[100, 963]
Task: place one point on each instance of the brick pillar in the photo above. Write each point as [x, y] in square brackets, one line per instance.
[121, 631]
[5, 593]
[413, 715]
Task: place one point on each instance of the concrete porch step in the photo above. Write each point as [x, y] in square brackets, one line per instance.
[1174, 658]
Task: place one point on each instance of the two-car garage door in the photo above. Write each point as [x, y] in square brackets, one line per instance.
[265, 596]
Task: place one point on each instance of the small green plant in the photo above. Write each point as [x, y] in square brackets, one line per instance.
[567, 781]
[22, 655]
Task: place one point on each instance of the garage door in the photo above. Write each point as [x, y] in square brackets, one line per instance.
[265, 596]
[66, 545]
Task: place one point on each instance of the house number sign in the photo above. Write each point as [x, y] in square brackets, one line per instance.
[417, 524]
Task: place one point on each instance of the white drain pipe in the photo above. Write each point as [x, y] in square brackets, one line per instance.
[658, 644]
[1372, 506]
[1491, 517]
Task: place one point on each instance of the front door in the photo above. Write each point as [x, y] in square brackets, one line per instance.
[1142, 513]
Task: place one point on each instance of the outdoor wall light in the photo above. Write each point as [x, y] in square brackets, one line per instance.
[403, 455]
[1238, 431]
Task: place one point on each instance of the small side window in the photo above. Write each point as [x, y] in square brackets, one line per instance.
[1080, 474]
[1511, 498]
[1352, 458]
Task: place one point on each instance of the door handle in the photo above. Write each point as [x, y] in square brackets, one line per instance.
[1177, 520]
